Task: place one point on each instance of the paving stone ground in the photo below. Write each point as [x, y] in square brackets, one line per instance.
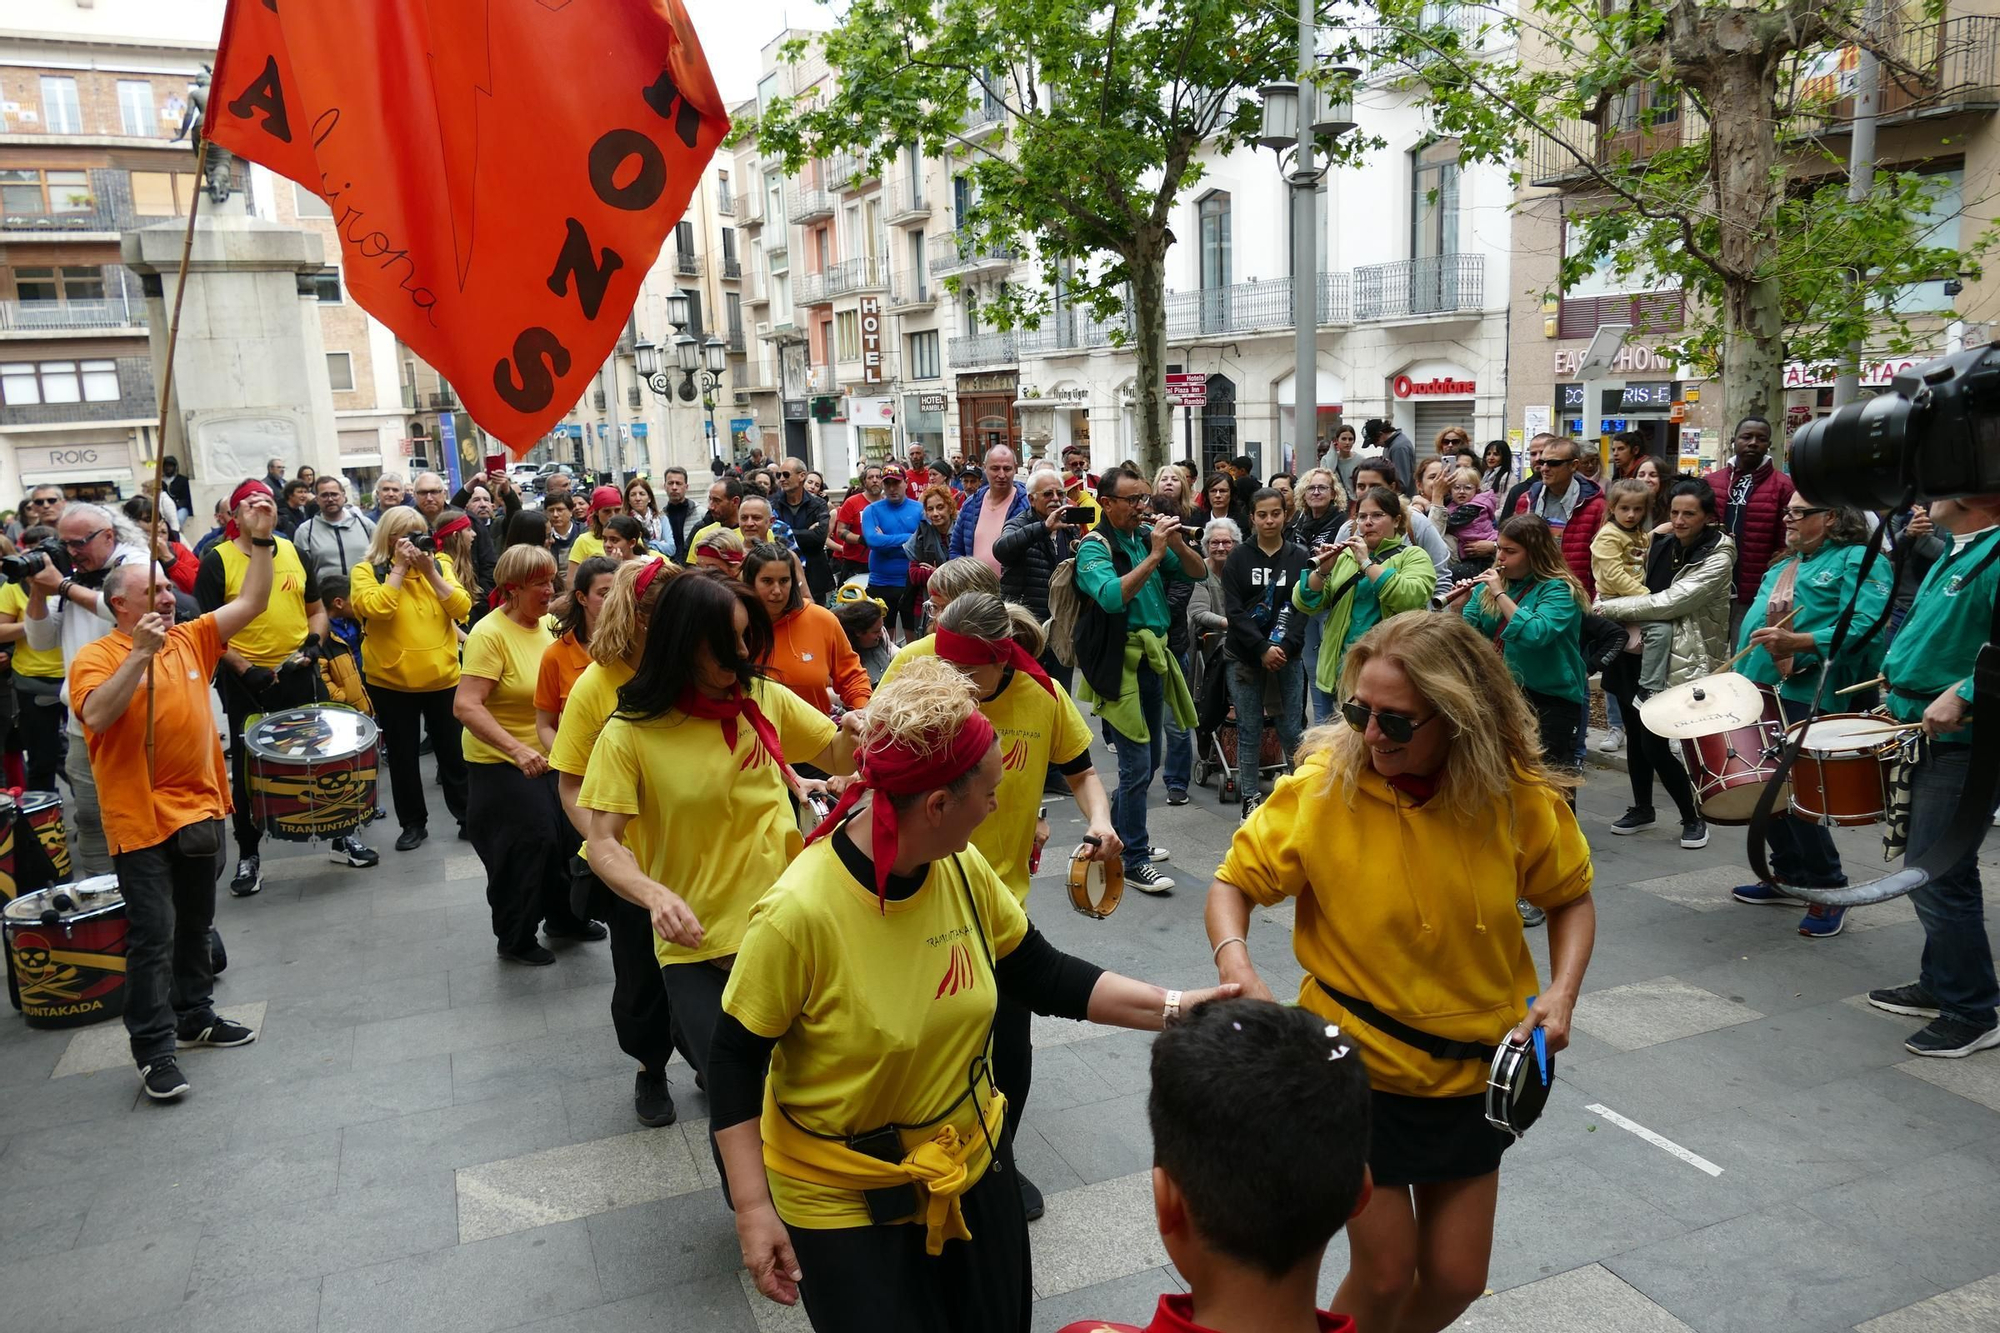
[424, 1139]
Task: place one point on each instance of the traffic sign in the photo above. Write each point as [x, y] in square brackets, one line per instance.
[1187, 390]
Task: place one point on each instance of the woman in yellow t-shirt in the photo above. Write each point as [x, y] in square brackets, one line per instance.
[688, 793]
[38, 677]
[640, 1015]
[512, 814]
[876, 1181]
[994, 644]
[1440, 776]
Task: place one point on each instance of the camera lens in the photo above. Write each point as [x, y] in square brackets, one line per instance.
[1858, 456]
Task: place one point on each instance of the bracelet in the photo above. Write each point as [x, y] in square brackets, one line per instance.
[62, 589]
[1215, 955]
[1171, 1013]
[271, 542]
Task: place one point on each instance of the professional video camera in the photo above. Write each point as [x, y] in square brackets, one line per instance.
[1935, 434]
[30, 561]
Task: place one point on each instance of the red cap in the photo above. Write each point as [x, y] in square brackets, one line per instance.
[606, 495]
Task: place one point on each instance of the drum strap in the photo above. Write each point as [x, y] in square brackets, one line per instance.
[1438, 1048]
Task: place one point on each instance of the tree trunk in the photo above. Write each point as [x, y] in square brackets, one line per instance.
[1147, 260]
[1742, 91]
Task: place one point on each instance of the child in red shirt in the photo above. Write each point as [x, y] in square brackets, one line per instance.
[1249, 1191]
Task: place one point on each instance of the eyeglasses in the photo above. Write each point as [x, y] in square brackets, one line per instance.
[1801, 515]
[1319, 486]
[47, 500]
[1395, 726]
[78, 543]
[430, 490]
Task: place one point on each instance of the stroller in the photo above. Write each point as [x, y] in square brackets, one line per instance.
[1216, 726]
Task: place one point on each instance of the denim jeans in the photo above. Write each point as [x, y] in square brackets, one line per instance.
[1322, 702]
[1802, 850]
[1179, 766]
[169, 977]
[1246, 695]
[1957, 962]
[1137, 762]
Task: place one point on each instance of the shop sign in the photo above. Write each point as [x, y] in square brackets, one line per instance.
[43, 458]
[795, 409]
[992, 382]
[1032, 393]
[1632, 359]
[1187, 390]
[871, 340]
[931, 402]
[1874, 374]
[1438, 386]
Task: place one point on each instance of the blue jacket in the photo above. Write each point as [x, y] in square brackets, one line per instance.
[968, 517]
[885, 528]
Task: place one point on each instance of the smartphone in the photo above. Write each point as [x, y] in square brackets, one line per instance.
[496, 463]
[1076, 514]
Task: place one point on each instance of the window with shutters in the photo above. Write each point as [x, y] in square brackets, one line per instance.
[161, 194]
[1641, 298]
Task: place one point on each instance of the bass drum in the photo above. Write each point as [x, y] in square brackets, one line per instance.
[311, 771]
[67, 948]
[1729, 769]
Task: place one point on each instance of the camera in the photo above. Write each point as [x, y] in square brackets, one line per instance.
[30, 561]
[426, 542]
[1933, 435]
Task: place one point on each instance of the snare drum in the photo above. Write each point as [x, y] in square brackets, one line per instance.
[67, 948]
[1842, 773]
[43, 811]
[1729, 769]
[311, 771]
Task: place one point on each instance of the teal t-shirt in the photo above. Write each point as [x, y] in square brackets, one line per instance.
[1820, 591]
[1941, 636]
[1543, 643]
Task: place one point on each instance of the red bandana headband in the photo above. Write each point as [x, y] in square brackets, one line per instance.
[451, 527]
[966, 650]
[645, 579]
[237, 497]
[889, 768]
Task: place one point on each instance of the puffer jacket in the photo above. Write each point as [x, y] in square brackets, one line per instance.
[1028, 554]
[1577, 534]
[1695, 598]
[1760, 530]
[965, 528]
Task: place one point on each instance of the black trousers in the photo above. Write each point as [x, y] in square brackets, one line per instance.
[398, 712]
[695, 992]
[878, 1279]
[516, 824]
[40, 719]
[903, 604]
[1558, 720]
[1013, 1060]
[1647, 753]
[640, 1012]
[292, 688]
[169, 973]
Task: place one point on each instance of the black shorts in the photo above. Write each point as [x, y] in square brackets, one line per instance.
[1425, 1140]
[902, 603]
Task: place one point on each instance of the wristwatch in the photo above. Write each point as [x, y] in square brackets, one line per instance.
[1171, 1014]
[264, 541]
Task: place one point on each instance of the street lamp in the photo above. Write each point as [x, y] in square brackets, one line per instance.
[700, 363]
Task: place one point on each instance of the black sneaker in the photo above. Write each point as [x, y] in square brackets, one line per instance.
[1694, 833]
[1531, 915]
[1635, 818]
[1251, 802]
[1912, 1000]
[412, 838]
[351, 851]
[532, 956]
[1148, 880]
[249, 877]
[1952, 1038]
[576, 930]
[651, 1101]
[1031, 1198]
[216, 1031]
[163, 1080]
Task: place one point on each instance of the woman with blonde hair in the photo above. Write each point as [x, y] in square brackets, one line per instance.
[1438, 774]
[409, 603]
[720, 552]
[954, 579]
[850, 1075]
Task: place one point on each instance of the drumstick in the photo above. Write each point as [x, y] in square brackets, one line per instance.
[1864, 685]
[1748, 648]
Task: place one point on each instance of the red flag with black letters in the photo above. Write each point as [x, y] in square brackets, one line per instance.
[502, 173]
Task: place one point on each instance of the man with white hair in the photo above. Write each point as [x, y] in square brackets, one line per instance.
[989, 509]
[67, 611]
[429, 493]
[164, 802]
[391, 489]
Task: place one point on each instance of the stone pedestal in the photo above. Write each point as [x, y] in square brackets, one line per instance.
[250, 380]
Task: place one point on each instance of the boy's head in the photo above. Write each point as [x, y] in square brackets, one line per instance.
[333, 590]
[1260, 1137]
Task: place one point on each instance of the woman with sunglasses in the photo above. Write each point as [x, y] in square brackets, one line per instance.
[1818, 577]
[1450, 440]
[1375, 574]
[1438, 773]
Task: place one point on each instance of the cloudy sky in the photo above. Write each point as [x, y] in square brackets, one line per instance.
[732, 31]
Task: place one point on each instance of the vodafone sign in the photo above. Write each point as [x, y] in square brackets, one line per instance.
[1438, 386]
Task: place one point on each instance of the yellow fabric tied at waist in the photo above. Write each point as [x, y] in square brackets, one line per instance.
[942, 1165]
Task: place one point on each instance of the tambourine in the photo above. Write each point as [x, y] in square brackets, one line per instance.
[1517, 1088]
[1094, 886]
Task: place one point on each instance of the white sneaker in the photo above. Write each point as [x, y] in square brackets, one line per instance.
[1614, 741]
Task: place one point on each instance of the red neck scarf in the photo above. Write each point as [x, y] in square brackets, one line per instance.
[965, 650]
[740, 703]
[236, 497]
[889, 769]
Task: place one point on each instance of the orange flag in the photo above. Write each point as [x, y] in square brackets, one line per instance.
[501, 172]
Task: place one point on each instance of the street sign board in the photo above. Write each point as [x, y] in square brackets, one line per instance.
[1187, 390]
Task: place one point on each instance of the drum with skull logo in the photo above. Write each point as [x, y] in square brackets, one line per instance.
[67, 945]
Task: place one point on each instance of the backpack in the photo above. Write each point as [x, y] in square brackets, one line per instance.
[1066, 606]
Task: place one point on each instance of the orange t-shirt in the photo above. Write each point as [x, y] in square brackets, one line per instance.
[810, 653]
[562, 662]
[190, 780]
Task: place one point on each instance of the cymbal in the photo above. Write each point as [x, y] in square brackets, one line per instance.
[1706, 706]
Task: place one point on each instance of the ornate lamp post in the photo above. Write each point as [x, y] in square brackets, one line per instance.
[701, 364]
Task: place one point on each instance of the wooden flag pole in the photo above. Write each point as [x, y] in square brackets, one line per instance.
[160, 433]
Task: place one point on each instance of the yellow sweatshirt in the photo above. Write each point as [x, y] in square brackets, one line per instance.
[1426, 931]
[411, 642]
[1618, 560]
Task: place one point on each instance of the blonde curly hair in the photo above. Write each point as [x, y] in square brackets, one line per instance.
[921, 708]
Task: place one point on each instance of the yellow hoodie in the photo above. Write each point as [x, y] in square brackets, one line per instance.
[1411, 908]
[411, 640]
[1618, 560]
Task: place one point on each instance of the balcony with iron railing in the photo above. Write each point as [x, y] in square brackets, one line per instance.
[732, 269]
[983, 349]
[821, 379]
[1627, 138]
[904, 202]
[754, 290]
[1419, 288]
[778, 258]
[847, 171]
[70, 316]
[1940, 67]
[964, 251]
[985, 118]
[866, 273]
[809, 204]
[749, 211]
[911, 290]
[686, 265]
[809, 289]
[444, 400]
[733, 339]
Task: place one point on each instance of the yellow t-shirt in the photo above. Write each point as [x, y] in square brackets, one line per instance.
[43, 662]
[586, 545]
[592, 701]
[1424, 927]
[277, 634]
[1035, 729]
[716, 833]
[878, 1011]
[510, 656]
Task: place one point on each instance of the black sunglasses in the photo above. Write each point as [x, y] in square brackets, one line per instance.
[1394, 725]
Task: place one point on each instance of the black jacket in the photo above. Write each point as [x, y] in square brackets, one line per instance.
[1309, 532]
[684, 520]
[1257, 595]
[1028, 554]
[810, 522]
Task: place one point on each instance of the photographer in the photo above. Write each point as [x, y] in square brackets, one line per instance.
[38, 678]
[271, 664]
[64, 610]
[1928, 669]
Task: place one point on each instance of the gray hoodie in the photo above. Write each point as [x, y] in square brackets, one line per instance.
[330, 548]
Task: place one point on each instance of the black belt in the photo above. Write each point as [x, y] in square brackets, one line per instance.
[1924, 695]
[1430, 1044]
